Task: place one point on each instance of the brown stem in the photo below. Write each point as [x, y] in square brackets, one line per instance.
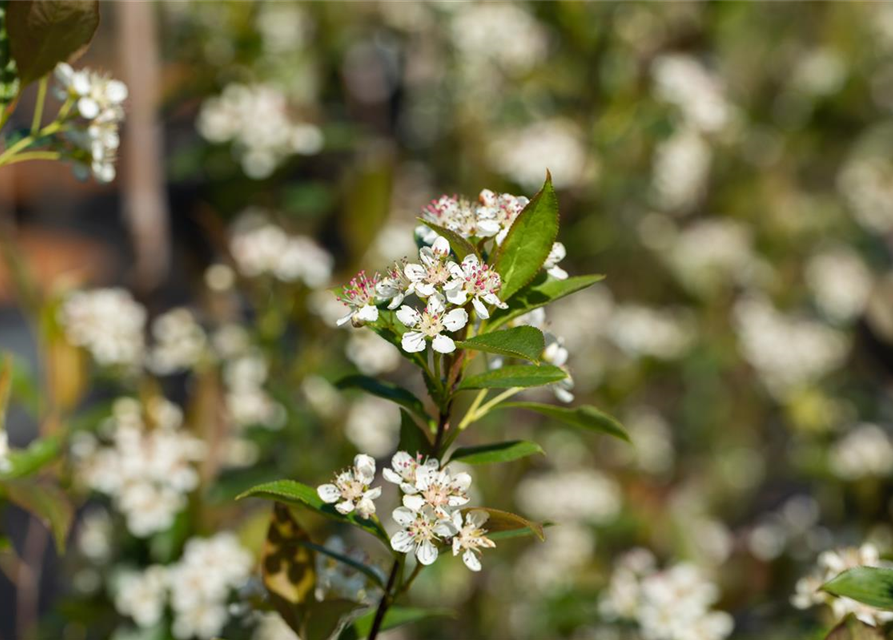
[28, 578]
[443, 423]
[385, 602]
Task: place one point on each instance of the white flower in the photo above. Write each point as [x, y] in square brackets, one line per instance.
[497, 212]
[396, 285]
[434, 270]
[142, 595]
[371, 353]
[405, 468]
[108, 323]
[359, 295]
[180, 342]
[453, 213]
[865, 451]
[430, 324]
[477, 280]
[422, 531]
[470, 537]
[351, 489]
[5, 464]
[556, 255]
[437, 489]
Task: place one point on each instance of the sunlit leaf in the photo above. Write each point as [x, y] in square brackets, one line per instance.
[460, 246]
[585, 417]
[46, 502]
[25, 462]
[870, 585]
[518, 342]
[504, 521]
[854, 629]
[529, 241]
[497, 452]
[514, 376]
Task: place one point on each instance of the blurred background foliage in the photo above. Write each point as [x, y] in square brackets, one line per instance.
[726, 165]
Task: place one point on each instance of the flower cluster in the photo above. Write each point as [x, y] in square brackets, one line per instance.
[197, 587]
[490, 217]
[256, 119]
[673, 604]
[259, 247]
[109, 323]
[431, 511]
[98, 99]
[4, 452]
[247, 402]
[148, 466]
[830, 565]
[180, 342]
[351, 491]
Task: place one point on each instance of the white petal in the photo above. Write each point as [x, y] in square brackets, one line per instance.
[424, 289]
[407, 488]
[445, 529]
[415, 272]
[426, 553]
[455, 319]
[390, 476]
[408, 316]
[457, 519]
[480, 308]
[455, 270]
[415, 502]
[471, 560]
[343, 321]
[402, 542]
[328, 493]
[427, 254]
[401, 460]
[470, 262]
[455, 292]
[487, 228]
[443, 344]
[441, 245]
[403, 516]
[477, 518]
[369, 313]
[413, 342]
[345, 507]
[373, 494]
[435, 304]
[365, 507]
[558, 273]
[365, 466]
[462, 480]
[396, 301]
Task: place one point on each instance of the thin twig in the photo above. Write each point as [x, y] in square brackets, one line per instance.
[385, 602]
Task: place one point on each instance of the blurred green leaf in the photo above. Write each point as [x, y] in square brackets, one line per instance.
[296, 493]
[43, 33]
[541, 291]
[412, 439]
[46, 502]
[854, 629]
[586, 417]
[25, 462]
[367, 202]
[386, 390]
[870, 585]
[287, 567]
[5, 388]
[326, 619]
[497, 452]
[505, 521]
[522, 375]
[9, 559]
[394, 617]
[518, 342]
[529, 241]
[460, 246]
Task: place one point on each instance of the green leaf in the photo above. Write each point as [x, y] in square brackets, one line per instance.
[388, 327]
[851, 628]
[505, 521]
[43, 33]
[394, 617]
[293, 492]
[542, 291]
[870, 585]
[386, 390]
[516, 533]
[412, 439]
[5, 387]
[460, 246]
[24, 462]
[326, 619]
[368, 571]
[522, 375]
[528, 242]
[9, 559]
[9, 79]
[585, 417]
[45, 501]
[497, 452]
[518, 342]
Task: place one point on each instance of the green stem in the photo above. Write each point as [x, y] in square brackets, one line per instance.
[484, 410]
[469, 416]
[386, 600]
[34, 155]
[38, 107]
[408, 583]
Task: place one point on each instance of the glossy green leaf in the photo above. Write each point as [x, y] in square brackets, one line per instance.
[518, 342]
[25, 462]
[46, 502]
[296, 493]
[522, 375]
[543, 290]
[497, 452]
[505, 521]
[395, 617]
[412, 439]
[528, 242]
[43, 33]
[870, 585]
[460, 246]
[386, 390]
[585, 417]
